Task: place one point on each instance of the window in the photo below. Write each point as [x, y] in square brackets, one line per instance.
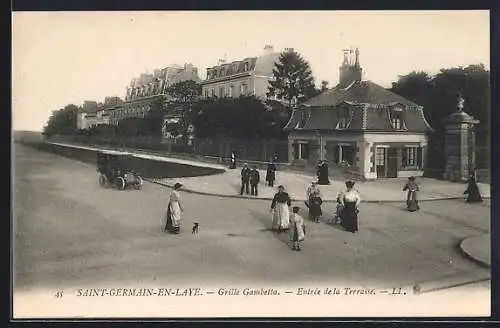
[301, 150]
[380, 157]
[411, 156]
[221, 92]
[212, 92]
[230, 92]
[344, 118]
[243, 89]
[246, 67]
[206, 93]
[396, 117]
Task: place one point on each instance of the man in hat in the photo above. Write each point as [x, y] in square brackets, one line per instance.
[254, 181]
[245, 179]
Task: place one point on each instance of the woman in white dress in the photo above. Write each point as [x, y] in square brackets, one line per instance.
[174, 211]
[350, 200]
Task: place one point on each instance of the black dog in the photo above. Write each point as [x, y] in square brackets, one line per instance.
[196, 228]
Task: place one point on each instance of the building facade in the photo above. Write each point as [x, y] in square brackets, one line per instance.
[88, 119]
[246, 77]
[141, 95]
[358, 123]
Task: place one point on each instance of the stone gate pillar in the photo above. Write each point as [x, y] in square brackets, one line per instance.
[459, 144]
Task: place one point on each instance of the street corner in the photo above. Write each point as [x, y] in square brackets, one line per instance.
[477, 249]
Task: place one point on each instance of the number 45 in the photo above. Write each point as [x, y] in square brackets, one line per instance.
[59, 294]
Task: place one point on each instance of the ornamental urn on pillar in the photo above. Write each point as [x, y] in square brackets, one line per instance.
[459, 144]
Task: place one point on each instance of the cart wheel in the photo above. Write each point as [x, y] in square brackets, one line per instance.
[103, 181]
[120, 183]
[138, 185]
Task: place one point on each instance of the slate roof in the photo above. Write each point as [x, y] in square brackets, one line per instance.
[358, 92]
[361, 120]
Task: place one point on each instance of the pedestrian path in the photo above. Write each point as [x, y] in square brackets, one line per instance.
[228, 184]
[478, 248]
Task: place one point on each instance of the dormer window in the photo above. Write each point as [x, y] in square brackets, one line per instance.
[396, 117]
[344, 118]
[246, 67]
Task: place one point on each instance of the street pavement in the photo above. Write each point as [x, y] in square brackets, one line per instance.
[228, 184]
[69, 232]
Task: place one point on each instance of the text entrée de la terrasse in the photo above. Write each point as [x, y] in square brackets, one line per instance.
[198, 292]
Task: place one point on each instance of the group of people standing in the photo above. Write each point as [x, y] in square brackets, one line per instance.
[346, 213]
[250, 178]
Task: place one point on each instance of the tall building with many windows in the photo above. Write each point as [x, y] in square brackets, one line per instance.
[249, 76]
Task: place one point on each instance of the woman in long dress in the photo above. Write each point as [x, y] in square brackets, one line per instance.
[174, 211]
[472, 191]
[411, 199]
[280, 209]
[315, 211]
[350, 203]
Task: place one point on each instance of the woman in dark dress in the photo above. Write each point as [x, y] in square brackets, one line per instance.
[323, 173]
[350, 203]
[280, 209]
[411, 199]
[472, 191]
[315, 211]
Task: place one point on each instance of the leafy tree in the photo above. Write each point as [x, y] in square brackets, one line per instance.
[243, 117]
[185, 92]
[438, 95]
[152, 124]
[63, 121]
[182, 97]
[292, 79]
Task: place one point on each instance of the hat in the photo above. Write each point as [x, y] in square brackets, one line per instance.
[177, 185]
[281, 186]
[314, 182]
[349, 184]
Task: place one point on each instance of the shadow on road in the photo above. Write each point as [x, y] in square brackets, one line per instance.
[266, 222]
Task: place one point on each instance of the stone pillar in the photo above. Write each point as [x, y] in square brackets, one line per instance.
[459, 145]
[290, 149]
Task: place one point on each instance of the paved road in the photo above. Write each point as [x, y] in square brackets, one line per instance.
[69, 232]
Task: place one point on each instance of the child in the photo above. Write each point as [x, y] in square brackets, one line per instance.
[338, 210]
[298, 229]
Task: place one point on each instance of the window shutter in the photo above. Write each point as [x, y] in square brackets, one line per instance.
[404, 157]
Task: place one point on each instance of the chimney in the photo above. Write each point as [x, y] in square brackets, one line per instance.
[268, 49]
[350, 70]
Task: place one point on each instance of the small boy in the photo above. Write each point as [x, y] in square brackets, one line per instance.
[299, 228]
[338, 210]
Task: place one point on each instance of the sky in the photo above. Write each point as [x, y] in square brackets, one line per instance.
[60, 58]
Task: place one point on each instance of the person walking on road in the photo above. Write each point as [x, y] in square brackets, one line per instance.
[245, 179]
[271, 173]
[350, 203]
[472, 191]
[254, 181]
[280, 209]
[174, 211]
[298, 229]
[411, 198]
[232, 165]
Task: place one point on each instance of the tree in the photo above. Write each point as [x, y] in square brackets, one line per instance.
[244, 117]
[292, 79]
[185, 92]
[183, 95]
[438, 95]
[324, 86]
[63, 121]
[152, 124]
